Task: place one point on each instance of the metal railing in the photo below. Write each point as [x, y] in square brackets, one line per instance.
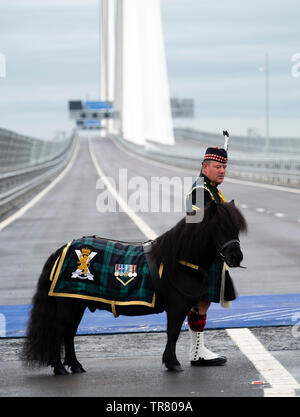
[252, 144]
[251, 161]
[274, 161]
[27, 163]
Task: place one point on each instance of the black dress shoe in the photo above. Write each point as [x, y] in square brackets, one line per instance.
[220, 360]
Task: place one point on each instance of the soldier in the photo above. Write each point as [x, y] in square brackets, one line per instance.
[213, 172]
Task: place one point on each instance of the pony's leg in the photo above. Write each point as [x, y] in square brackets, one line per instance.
[62, 321]
[55, 361]
[175, 317]
[70, 355]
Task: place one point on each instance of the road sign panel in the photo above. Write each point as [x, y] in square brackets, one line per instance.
[97, 105]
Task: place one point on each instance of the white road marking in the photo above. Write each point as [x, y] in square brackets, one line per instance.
[279, 214]
[41, 194]
[283, 384]
[134, 217]
[262, 210]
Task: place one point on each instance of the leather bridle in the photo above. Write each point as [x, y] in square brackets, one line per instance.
[226, 244]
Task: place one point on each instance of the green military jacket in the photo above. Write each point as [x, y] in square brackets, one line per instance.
[211, 193]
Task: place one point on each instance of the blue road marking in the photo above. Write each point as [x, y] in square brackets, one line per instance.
[246, 311]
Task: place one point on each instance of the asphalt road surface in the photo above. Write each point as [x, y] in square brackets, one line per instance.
[130, 365]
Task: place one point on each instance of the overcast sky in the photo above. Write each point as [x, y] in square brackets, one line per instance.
[215, 53]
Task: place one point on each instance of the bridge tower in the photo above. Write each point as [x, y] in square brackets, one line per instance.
[134, 70]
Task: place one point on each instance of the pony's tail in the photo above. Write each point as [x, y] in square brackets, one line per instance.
[39, 339]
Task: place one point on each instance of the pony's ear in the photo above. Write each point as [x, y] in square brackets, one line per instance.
[232, 203]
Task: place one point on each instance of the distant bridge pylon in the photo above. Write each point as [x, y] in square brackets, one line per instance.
[134, 71]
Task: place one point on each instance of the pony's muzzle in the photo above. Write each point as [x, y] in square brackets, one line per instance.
[234, 260]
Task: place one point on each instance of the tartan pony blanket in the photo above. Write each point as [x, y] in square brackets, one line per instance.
[119, 277]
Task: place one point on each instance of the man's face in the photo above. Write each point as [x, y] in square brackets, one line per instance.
[214, 170]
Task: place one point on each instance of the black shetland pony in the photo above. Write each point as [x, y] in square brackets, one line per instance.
[54, 320]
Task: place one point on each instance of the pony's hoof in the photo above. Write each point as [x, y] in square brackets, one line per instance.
[60, 371]
[173, 368]
[77, 369]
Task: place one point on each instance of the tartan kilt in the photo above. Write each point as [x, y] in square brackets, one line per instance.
[214, 283]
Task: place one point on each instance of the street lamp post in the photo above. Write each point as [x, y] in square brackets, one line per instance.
[267, 145]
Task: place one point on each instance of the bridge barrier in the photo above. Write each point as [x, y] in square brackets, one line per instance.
[26, 164]
[250, 162]
[250, 144]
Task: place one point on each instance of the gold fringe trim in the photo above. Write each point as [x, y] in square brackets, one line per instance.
[160, 270]
[190, 265]
[53, 269]
[61, 261]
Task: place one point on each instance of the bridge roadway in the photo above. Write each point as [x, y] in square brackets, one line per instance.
[130, 364]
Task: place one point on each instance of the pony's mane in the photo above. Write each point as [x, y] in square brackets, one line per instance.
[184, 239]
[230, 215]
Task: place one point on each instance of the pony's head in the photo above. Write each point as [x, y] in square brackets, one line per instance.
[200, 242]
[228, 222]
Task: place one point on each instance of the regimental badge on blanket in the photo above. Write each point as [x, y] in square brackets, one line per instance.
[85, 256]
